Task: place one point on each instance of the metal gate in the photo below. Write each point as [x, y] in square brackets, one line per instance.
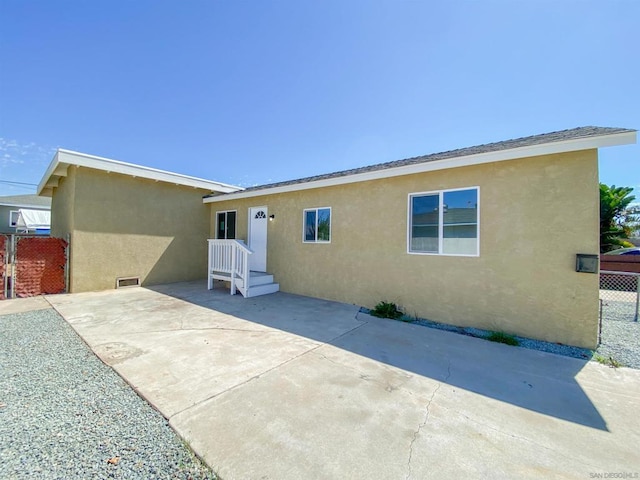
[619, 295]
[33, 265]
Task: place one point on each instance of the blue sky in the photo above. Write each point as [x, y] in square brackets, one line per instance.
[251, 92]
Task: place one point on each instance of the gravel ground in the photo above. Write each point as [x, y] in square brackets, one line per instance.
[620, 338]
[66, 415]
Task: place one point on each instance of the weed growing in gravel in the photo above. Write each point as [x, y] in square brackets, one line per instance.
[612, 362]
[502, 337]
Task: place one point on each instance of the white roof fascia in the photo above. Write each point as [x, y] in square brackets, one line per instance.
[65, 158]
[25, 205]
[586, 143]
[47, 175]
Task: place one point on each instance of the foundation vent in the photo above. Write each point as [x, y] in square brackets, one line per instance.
[124, 282]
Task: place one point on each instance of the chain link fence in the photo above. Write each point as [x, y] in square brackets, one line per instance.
[33, 265]
[3, 266]
[619, 296]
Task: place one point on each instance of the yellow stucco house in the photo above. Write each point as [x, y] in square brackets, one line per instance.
[126, 222]
[484, 236]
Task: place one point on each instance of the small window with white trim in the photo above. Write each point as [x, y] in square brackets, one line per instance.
[226, 225]
[444, 222]
[317, 225]
[13, 217]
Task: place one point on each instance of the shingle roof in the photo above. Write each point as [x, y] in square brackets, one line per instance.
[546, 138]
[26, 201]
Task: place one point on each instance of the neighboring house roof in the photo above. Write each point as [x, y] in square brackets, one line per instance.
[33, 219]
[581, 138]
[26, 201]
[65, 158]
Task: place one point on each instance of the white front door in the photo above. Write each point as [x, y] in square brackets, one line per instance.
[258, 219]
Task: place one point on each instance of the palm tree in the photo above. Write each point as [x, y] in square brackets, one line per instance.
[616, 219]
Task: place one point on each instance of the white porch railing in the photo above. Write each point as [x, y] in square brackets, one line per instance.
[229, 260]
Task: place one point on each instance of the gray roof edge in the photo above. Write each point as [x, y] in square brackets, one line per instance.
[27, 201]
[528, 141]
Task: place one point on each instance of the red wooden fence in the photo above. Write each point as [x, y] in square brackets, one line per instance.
[620, 263]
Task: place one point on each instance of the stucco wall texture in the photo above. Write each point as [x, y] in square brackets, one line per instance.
[124, 226]
[535, 214]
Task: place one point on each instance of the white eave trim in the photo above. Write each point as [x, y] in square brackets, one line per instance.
[27, 206]
[64, 158]
[585, 143]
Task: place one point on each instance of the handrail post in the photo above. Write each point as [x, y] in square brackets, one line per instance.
[209, 265]
[246, 273]
[233, 270]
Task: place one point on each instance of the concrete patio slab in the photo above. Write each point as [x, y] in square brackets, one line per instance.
[21, 305]
[284, 387]
[184, 368]
[178, 353]
[312, 418]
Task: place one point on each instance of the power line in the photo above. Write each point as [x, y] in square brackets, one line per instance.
[8, 182]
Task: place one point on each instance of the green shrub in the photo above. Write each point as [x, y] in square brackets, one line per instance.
[502, 337]
[386, 310]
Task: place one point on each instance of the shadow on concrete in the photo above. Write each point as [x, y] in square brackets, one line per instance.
[536, 381]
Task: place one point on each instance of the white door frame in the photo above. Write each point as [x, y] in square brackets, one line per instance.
[257, 238]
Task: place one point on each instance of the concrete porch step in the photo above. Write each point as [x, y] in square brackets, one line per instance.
[260, 283]
[258, 290]
[256, 278]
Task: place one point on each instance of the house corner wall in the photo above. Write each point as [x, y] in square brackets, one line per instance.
[126, 226]
[62, 219]
[62, 203]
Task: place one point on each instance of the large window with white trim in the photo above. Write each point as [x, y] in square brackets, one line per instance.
[226, 225]
[444, 222]
[317, 225]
